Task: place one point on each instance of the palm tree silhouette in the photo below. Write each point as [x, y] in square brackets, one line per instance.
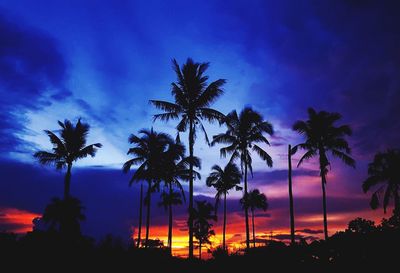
[193, 97]
[64, 215]
[383, 171]
[322, 136]
[175, 168]
[244, 131]
[223, 180]
[148, 152]
[254, 200]
[202, 215]
[68, 148]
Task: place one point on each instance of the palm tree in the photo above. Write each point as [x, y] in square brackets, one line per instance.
[68, 148]
[244, 131]
[223, 180]
[291, 207]
[193, 98]
[384, 171]
[254, 200]
[322, 136]
[202, 215]
[175, 168]
[64, 215]
[148, 152]
[169, 199]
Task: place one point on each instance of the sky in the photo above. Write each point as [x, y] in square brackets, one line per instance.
[102, 61]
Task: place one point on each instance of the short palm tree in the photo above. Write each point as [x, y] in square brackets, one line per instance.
[148, 152]
[224, 180]
[322, 136]
[202, 215]
[67, 149]
[64, 215]
[254, 200]
[243, 133]
[384, 172]
[193, 98]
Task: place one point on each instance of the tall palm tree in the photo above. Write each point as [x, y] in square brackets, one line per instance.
[291, 206]
[322, 136]
[169, 199]
[193, 98]
[64, 215]
[202, 215]
[243, 133]
[254, 200]
[384, 172]
[148, 152]
[67, 149]
[223, 180]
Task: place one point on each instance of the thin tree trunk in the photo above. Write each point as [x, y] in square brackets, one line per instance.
[246, 210]
[148, 215]
[292, 238]
[190, 222]
[140, 214]
[323, 178]
[254, 233]
[170, 221]
[396, 201]
[200, 250]
[67, 182]
[224, 227]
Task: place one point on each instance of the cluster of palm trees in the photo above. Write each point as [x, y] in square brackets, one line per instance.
[162, 164]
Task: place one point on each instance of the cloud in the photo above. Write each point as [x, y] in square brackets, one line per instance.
[310, 231]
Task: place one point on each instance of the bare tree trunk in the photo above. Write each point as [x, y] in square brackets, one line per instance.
[190, 222]
[292, 238]
[396, 201]
[170, 221]
[140, 214]
[200, 250]
[254, 233]
[224, 227]
[323, 178]
[67, 182]
[246, 210]
[148, 215]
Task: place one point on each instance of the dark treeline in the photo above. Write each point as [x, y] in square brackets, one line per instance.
[161, 163]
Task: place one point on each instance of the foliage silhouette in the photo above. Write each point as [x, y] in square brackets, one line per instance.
[223, 180]
[384, 173]
[68, 148]
[321, 137]
[243, 133]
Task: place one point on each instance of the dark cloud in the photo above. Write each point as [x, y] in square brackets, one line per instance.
[277, 176]
[310, 231]
[31, 65]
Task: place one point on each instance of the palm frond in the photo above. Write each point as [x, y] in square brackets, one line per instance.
[263, 154]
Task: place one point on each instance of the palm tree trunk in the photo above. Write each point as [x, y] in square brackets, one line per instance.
[67, 182]
[140, 215]
[246, 210]
[200, 250]
[254, 233]
[323, 178]
[292, 238]
[396, 201]
[148, 215]
[190, 222]
[224, 227]
[170, 221]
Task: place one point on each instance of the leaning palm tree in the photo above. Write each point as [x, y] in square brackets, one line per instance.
[202, 215]
[67, 149]
[321, 137]
[193, 98]
[244, 131]
[223, 180]
[384, 172]
[147, 151]
[254, 200]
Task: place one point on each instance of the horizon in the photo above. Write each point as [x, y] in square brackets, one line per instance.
[103, 62]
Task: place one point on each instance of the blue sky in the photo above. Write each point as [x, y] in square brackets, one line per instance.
[103, 60]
